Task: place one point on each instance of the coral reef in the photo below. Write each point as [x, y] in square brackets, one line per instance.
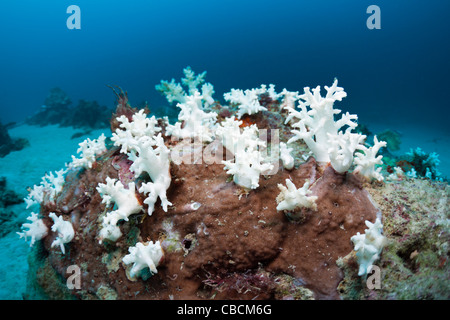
[393, 139]
[8, 198]
[54, 109]
[57, 110]
[207, 216]
[8, 144]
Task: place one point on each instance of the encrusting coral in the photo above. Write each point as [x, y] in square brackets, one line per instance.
[223, 225]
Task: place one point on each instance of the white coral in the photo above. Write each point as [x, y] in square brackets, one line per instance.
[207, 93]
[342, 148]
[193, 121]
[140, 127]
[144, 256]
[288, 99]
[149, 154]
[235, 138]
[35, 196]
[318, 128]
[229, 133]
[368, 246]
[291, 198]
[269, 91]
[248, 163]
[286, 157]
[397, 175]
[247, 101]
[36, 229]
[64, 230]
[51, 184]
[317, 124]
[126, 202]
[89, 150]
[367, 160]
[152, 156]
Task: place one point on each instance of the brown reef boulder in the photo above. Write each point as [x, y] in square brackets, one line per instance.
[219, 240]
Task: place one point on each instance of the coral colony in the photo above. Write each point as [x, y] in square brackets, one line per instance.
[200, 207]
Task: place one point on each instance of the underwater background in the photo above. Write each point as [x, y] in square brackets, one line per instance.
[396, 77]
[396, 74]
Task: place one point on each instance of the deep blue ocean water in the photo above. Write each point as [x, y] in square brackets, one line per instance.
[399, 73]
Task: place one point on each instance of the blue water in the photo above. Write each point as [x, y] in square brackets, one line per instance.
[399, 72]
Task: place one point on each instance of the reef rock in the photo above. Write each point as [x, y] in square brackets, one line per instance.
[219, 240]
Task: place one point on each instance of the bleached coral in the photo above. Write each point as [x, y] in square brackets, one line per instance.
[89, 150]
[397, 175]
[367, 160]
[64, 229]
[248, 163]
[269, 91]
[234, 138]
[144, 256]
[191, 80]
[126, 202]
[292, 199]
[172, 90]
[342, 148]
[36, 229]
[207, 93]
[140, 127]
[246, 168]
[286, 157]
[368, 246]
[35, 196]
[316, 125]
[193, 121]
[49, 187]
[247, 101]
[288, 99]
[175, 92]
[149, 154]
[411, 173]
[53, 183]
[152, 156]
[228, 132]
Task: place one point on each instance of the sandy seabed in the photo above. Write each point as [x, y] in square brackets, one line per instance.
[50, 149]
